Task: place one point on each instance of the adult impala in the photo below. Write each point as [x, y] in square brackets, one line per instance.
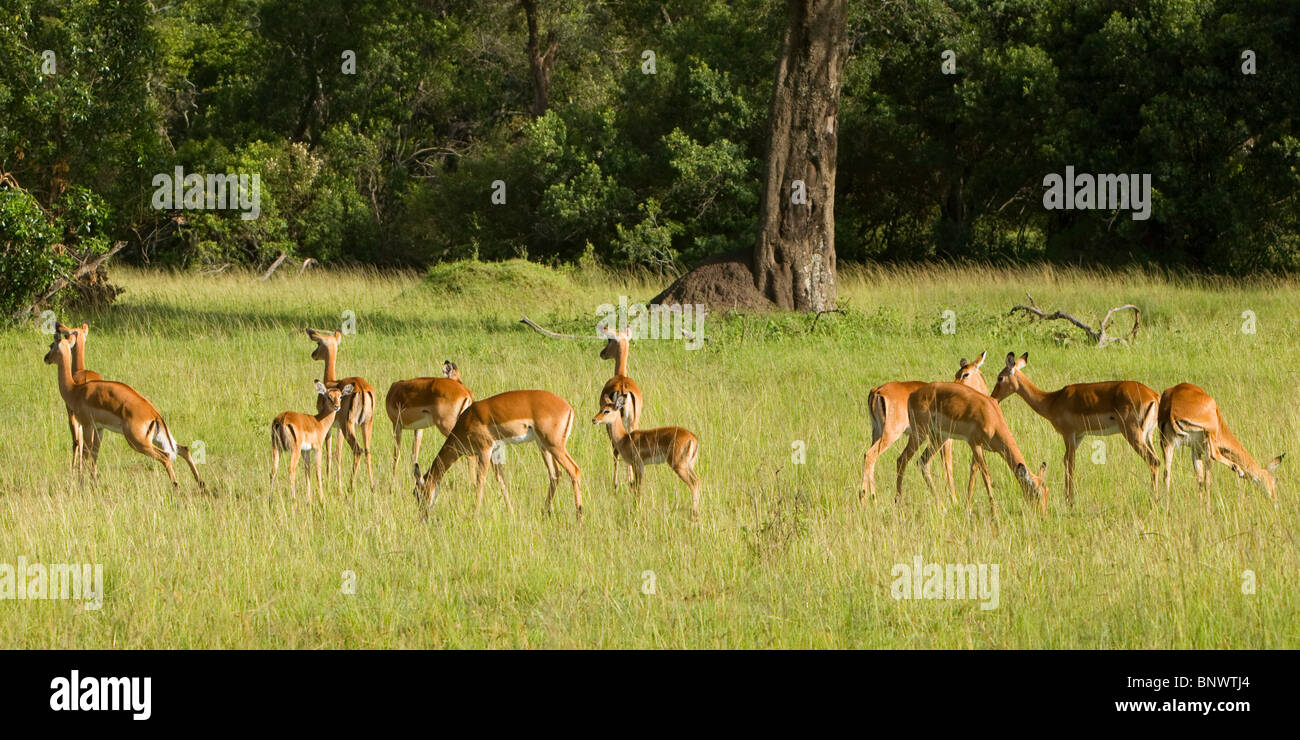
[943, 411]
[513, 417]
[616, 349]
[297, 433]
[103, 404]
[358, 410]
[420, 403]
[1123, 407]
[79, 375]
[1189, 416]
[677, 447]
[887, 407]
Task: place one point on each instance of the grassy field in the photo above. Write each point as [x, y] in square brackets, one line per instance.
[783, 556]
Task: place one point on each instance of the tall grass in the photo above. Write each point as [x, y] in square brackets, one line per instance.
[783, 556]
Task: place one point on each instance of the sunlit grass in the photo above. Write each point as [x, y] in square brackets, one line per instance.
[783, 556]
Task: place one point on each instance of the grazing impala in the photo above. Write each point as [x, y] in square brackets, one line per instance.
[616, 349]
[358, 410]
[1123, 407]
[673, 445]
[297, 433]
[420, 403]
[942, 411]
[512, 417]
[79, 375]
[103, 404]
[887, 406]
[1189, 416]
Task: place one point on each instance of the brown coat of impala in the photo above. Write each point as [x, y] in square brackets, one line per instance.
[1123, 407]
[79, 375]
[420, 403]
[942, 411]
[677, 447]
[1189, 416]
[296, 433]
[513, 417]
[358, 410]
[616, 349]
[887, 407]
[104, 404]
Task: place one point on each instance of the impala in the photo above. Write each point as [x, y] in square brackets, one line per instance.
[103, 404]
[616, 349]
[420, 403]
[887, 406]
[943, 411]
[1189, 416]
[512, 417]
[79, 375]
[1123, 407]
[675, 446]
[297, 433]
[358, 410]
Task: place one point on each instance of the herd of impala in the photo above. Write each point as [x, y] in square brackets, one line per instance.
[347, 406]
[933, 414]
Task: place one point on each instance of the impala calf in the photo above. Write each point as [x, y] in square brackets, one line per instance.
[103, 404]
[616, 349]
[887, 408]
[1190, 417]
[358, 410]
[942, 411]
[513, 417]
[1122, 407]
[297, 433]
[673, 445]
[420, 403]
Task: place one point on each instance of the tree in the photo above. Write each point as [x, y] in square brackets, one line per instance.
[539, 62]
[794, 262]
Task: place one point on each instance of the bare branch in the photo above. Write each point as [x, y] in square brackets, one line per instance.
[61, 283]
[274, 265]
[1097, 335]
[553, 335]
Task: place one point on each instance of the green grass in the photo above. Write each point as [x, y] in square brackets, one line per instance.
[783, 556]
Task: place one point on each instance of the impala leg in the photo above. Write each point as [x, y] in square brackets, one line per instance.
[888, 437]
[970, 485]
[480, 476]
[575, 476]
[945, 453]
[913, 442]
[143, 445]
[977, 452]
[553, 473]
[499, 470]
[1167, 448]
[184, 453]
[295, 455]
[397, 448]
[686, 472]
[1071, 446]
[275, 465]
[926, 456]
[1144, 450]
[366, 430]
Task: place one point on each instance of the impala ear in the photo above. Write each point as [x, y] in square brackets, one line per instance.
[1024, 359]
[320, 387]
[1272, 464]
[1022, 472]
[979, 361]
[347, 389]
[962, 362]
[1042, 469]
[1011, 359]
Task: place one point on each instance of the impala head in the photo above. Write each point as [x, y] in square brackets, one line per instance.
[325, 341]
[1267, 479]
[1034, 485]
[61, 347]
[418, 491]
[610, 352]
[610, 411]
[969, 374]
[1010, 377]
[333, 397]
[449, 370]
[80, 333]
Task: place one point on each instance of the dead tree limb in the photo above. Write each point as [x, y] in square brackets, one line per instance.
[309, 262]
[62, 283]
[1097, 335]
[274, 266]
[553, 335]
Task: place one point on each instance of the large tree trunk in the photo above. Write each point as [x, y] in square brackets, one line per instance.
[539, 62]
[794, 261]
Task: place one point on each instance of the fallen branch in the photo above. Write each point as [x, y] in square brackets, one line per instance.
[819, 315]
[62, 283]
[1097, 335]
[309, 262]
[274, 265]
[553, 335]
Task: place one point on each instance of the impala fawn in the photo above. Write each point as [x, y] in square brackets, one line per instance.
[675, 446]
[297, 433]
